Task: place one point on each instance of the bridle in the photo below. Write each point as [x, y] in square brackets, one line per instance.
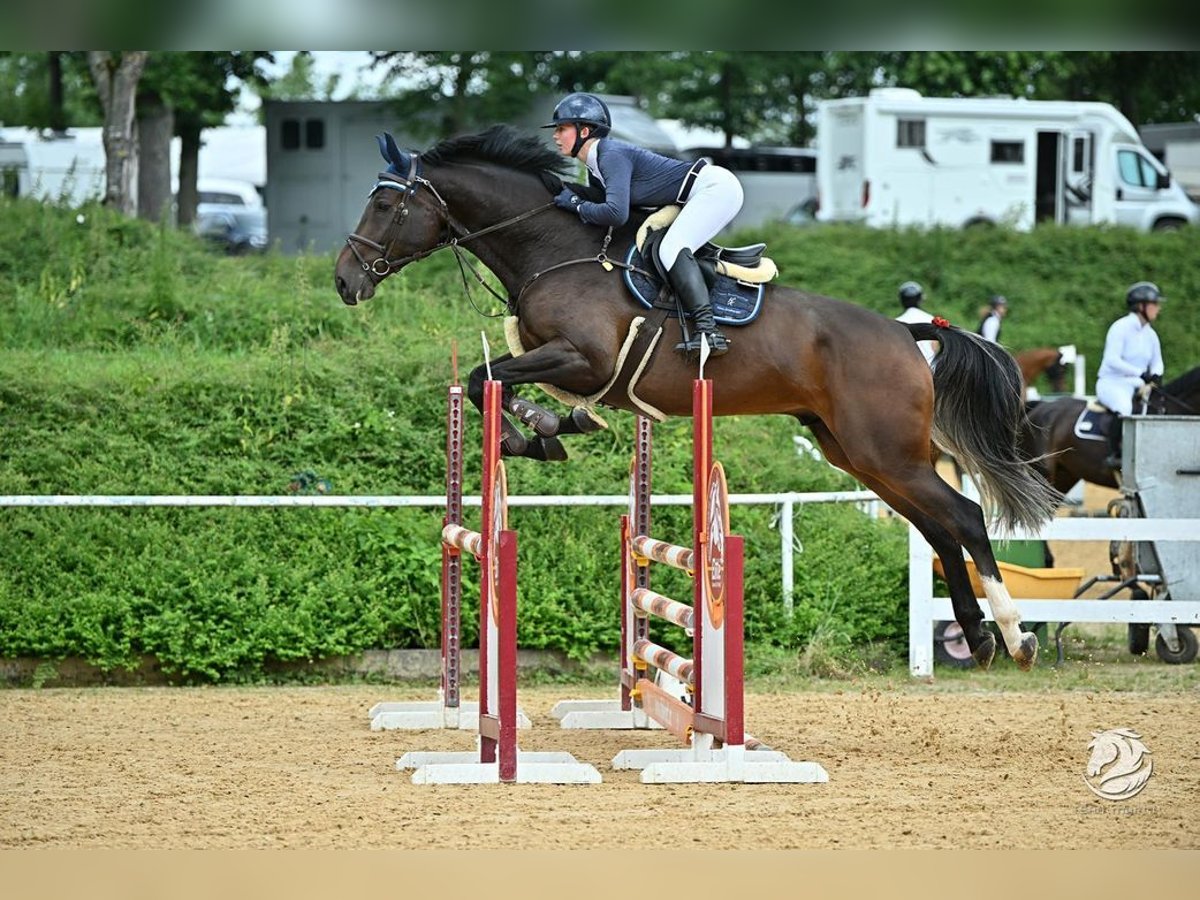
[382, 265]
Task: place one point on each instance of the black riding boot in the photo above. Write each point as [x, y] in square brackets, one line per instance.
[1113, 460]
[687, 281]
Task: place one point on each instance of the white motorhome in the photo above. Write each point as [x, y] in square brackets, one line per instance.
[895, 158]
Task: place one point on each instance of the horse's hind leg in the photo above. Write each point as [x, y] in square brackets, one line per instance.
[966, 608]
[926, 500]
[963, 519]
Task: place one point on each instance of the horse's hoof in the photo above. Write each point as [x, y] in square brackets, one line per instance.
[985, 652]
[585, 421]
[1026, 654]
[547, 449]
[514, 444]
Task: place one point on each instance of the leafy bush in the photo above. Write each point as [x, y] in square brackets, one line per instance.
[136, 362]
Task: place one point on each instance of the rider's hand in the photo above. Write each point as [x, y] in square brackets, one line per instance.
[568, 199]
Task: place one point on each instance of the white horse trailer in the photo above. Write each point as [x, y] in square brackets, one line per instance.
[895, 158]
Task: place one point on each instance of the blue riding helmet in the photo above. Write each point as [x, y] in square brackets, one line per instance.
[911, 294]
[582, 109]
[1143, 292]
[997, 300]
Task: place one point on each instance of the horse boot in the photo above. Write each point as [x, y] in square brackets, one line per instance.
[543, 421]
[687, 281]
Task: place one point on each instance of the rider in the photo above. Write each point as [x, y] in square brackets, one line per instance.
[1132, 360]
[989, 325]
[634, 176]
[912, 295]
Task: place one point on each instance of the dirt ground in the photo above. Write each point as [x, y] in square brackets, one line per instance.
[924, 765]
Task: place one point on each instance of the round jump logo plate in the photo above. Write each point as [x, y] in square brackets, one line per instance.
[716, 528]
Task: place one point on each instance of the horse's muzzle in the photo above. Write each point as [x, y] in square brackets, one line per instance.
[353, 295]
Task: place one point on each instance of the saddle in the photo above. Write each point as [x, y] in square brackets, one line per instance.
[735, 275]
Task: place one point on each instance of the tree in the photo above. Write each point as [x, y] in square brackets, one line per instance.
[116, 78]
[454, 91]
[47, 90]
[182, 94]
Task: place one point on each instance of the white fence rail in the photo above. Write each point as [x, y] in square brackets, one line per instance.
[924, 609]
[785, 503]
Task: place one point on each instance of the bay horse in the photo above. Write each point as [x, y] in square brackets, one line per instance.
[1043, 360]
[1065, 459]
[801, 357]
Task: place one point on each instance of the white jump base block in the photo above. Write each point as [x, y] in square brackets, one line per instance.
[600, 714]
[728, 764]
[464, 767]
[429, 714]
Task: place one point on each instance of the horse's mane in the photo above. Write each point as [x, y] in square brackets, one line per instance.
[1184, 384]
[500, 144]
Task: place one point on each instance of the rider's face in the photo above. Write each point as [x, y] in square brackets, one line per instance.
[564, 137]
[1150, 311]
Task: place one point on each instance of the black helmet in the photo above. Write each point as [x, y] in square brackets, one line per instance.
[1143, 292]
[997, 300]
[911, 294]
[583, 109]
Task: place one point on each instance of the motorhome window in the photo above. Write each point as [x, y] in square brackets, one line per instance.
[289, 134]
[910, 133]
[1136, 170]
[314, 133]
[1079, 158]
[1008, 151]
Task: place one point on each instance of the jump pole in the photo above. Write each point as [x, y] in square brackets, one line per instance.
[498, 759]
[712, 723]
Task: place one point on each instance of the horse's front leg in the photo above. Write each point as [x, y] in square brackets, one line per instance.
[547, 364]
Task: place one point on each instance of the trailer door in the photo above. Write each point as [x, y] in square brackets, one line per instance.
[841, 170]
[1079, 165]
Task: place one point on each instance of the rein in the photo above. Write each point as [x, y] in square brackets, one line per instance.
[382, 266]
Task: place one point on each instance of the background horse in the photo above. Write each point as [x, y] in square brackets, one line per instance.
[1043, 360]
[802, 356]
[1066, 459]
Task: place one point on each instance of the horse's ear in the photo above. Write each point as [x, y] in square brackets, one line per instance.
[392, 154]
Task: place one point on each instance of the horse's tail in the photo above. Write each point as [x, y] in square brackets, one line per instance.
[978, 412]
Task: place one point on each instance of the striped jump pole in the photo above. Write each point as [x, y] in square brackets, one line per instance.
[498, 759]
[709, 716]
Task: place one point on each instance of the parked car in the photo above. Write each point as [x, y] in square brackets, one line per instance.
[236, 229]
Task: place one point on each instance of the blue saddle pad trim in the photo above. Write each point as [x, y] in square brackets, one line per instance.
[1093, 426]
[734, 302]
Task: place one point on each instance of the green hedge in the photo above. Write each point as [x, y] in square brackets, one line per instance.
[135, 361]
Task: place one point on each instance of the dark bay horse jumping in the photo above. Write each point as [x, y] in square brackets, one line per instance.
[1066, 459]
[802, 356]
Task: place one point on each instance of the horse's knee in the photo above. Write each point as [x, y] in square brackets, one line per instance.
[475, 385]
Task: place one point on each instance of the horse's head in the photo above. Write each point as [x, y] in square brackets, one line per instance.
[1056, 374]
[1104, 748]
[405, 219]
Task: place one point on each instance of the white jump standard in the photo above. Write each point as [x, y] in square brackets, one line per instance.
[498, 758]
[712, 724]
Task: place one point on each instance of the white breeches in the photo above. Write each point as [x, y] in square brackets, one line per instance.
[1117, 393]
[715, 199]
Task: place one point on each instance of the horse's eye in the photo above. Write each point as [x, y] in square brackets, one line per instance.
[382, 205]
